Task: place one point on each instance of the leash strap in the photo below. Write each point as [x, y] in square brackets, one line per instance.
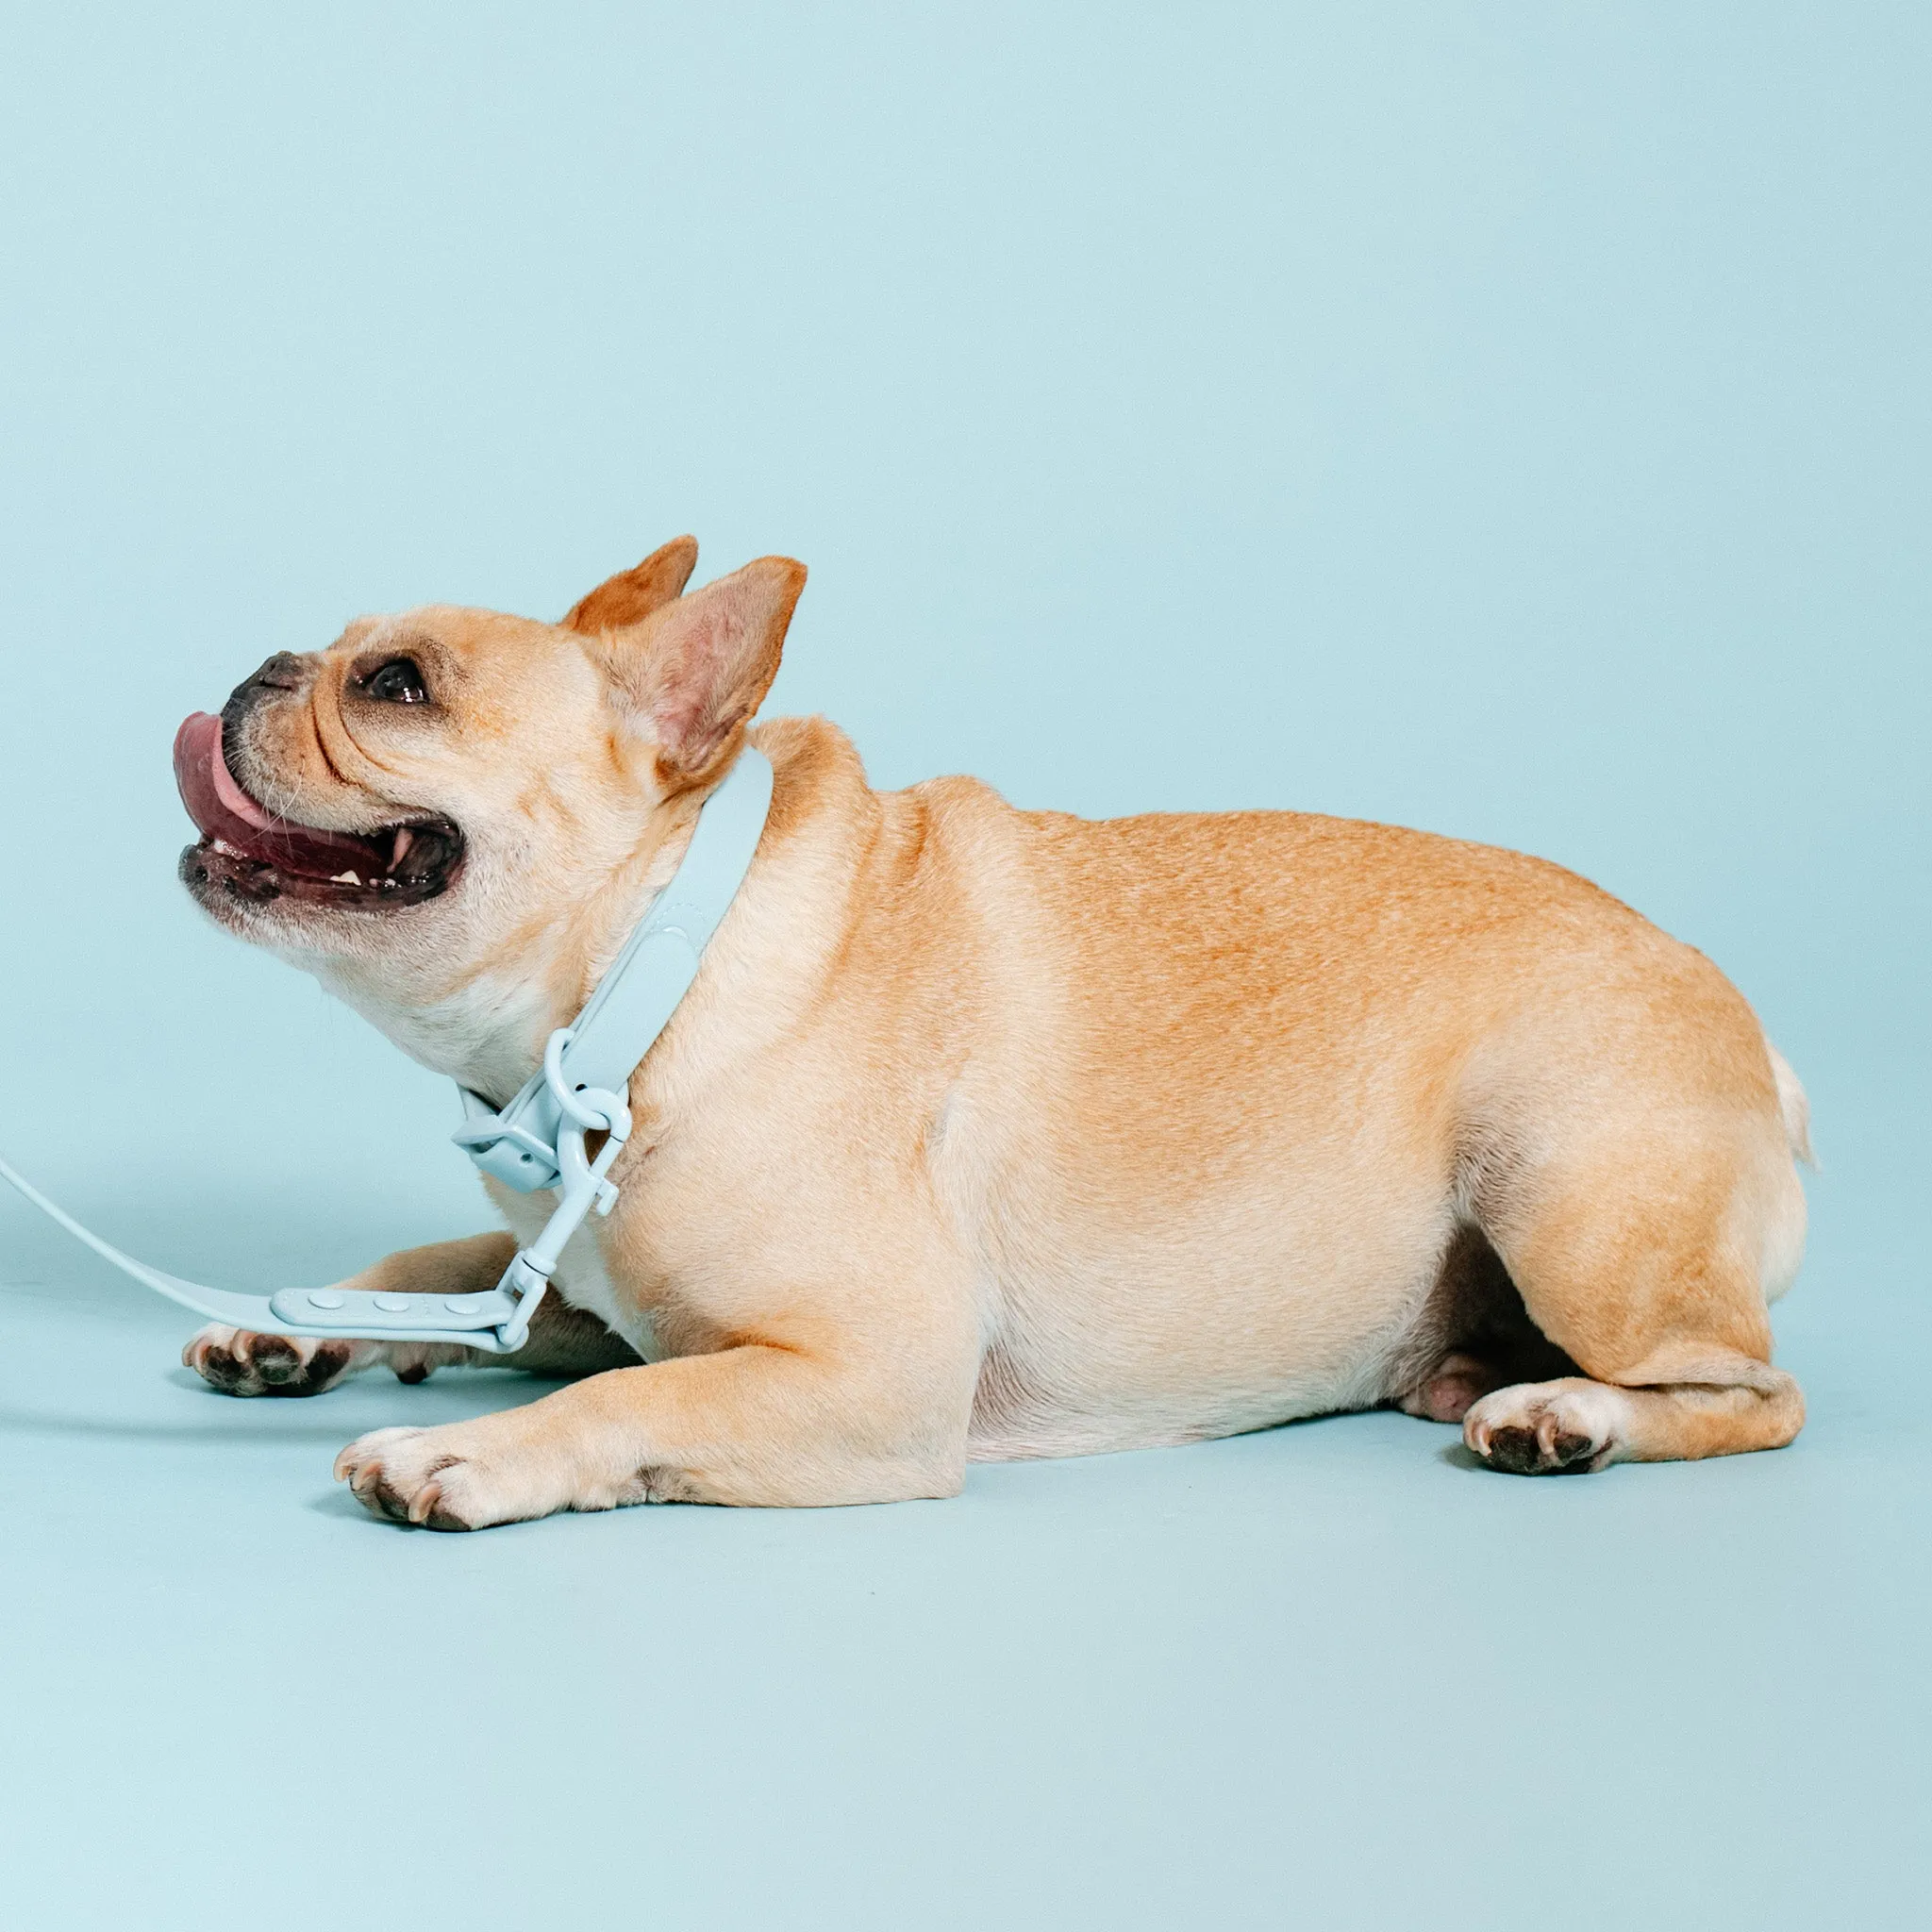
[537, 1140]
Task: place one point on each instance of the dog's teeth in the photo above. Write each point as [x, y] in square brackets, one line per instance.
[344, 878]
[404, 839]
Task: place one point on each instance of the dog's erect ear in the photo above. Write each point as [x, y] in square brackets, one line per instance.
[691, 675]
[631, 595]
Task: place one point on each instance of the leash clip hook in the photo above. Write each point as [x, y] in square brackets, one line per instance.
[582, 1183]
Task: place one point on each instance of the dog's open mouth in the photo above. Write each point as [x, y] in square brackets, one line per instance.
[253, 853]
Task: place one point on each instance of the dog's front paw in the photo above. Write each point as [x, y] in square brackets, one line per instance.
[464, 1475]
[399, 1473]
[1548, 1428]
[239, 1362]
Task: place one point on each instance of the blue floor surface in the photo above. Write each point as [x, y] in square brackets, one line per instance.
[1326, 1675]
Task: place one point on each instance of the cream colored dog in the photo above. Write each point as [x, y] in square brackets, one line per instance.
[987, 1133]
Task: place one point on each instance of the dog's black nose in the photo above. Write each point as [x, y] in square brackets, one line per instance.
[283, 672]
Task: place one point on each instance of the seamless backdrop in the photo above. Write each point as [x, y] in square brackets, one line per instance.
[1505, 420]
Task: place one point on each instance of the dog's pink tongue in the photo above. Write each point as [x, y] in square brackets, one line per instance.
[223, 810]
[218, 806]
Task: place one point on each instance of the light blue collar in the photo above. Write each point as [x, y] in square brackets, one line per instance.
[538, 1140]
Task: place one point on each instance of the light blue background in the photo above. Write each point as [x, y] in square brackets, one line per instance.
[1505, 418]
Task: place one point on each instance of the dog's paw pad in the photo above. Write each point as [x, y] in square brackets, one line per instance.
[1548, 1428]
[239, 1362]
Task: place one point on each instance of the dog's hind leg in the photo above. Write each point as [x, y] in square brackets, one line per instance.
[1646, 1241]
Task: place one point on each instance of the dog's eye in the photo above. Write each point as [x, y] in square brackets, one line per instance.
[398, 682]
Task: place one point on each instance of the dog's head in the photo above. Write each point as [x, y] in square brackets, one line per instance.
[431, 785]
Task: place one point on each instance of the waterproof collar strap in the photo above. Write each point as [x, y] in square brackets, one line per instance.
[636, 999]
[537, 1140]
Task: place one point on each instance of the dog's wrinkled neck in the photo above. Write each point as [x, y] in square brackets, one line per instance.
[484, 1025]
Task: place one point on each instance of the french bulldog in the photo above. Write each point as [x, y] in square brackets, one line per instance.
[986, 1133]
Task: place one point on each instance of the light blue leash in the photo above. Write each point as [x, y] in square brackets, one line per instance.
[537, 1141]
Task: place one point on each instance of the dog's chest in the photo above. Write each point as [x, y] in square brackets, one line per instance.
[582, 1278]
[585, 1283]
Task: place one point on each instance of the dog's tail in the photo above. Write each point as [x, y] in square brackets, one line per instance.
[1794, 1105]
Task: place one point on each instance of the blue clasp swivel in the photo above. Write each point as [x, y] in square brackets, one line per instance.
[584, 1184]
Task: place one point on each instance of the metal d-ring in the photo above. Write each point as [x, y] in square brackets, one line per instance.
[590, 1107]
